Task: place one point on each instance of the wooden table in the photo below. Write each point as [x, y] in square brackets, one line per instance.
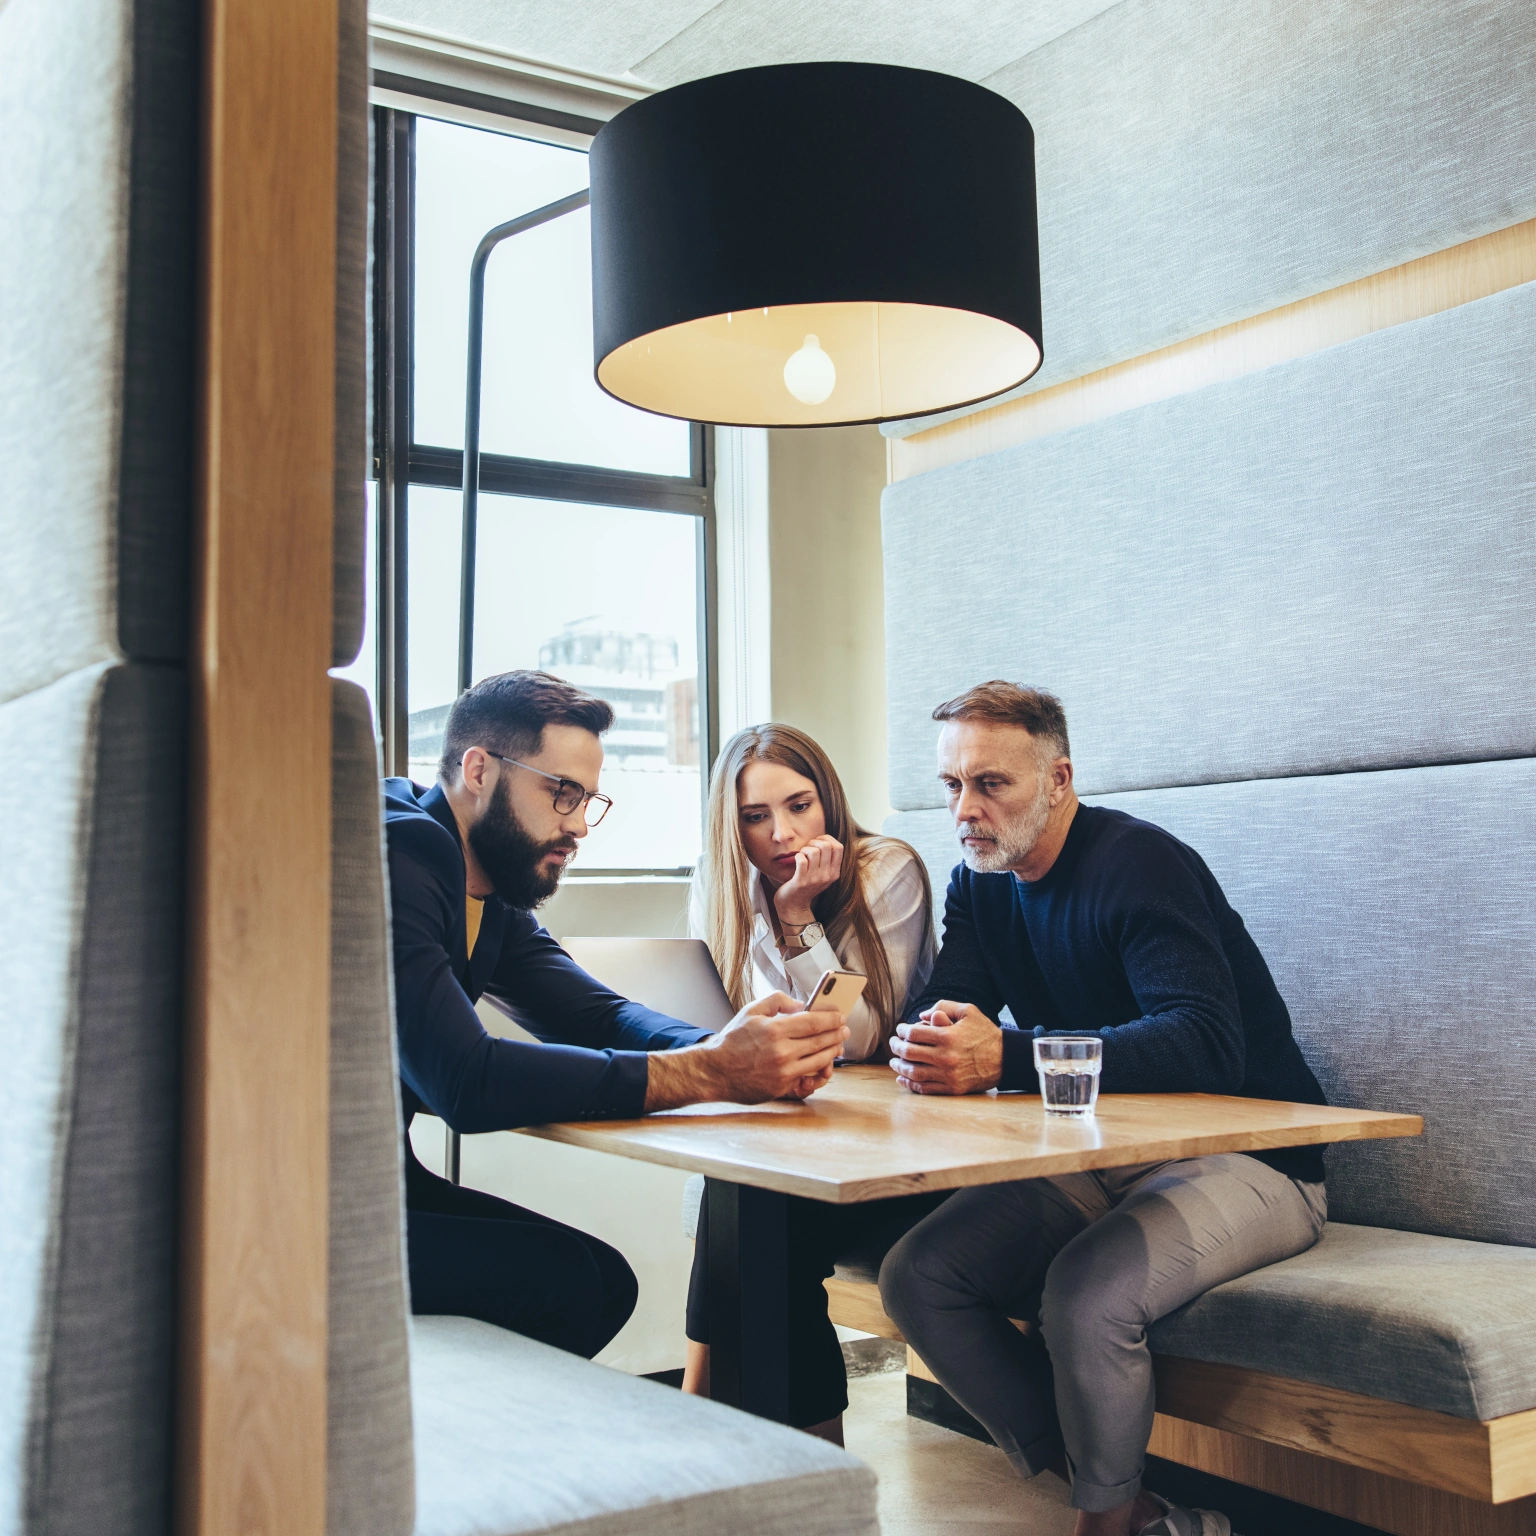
[863, 1137]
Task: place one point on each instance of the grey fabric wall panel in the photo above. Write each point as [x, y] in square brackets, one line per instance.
[1202, 162]
[370, 1488]
[91, 884]
[105, 1453]
[98, 113]
[932, 834]
[43, 849]
[1325, 566]
[1395, 912]
[351, 468]
[64, 103]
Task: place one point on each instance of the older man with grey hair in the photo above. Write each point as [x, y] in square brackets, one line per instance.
[1083, 919]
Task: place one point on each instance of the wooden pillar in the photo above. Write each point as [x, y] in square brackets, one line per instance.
[252, 1407]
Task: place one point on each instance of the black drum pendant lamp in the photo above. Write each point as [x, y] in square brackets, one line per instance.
[815, 244]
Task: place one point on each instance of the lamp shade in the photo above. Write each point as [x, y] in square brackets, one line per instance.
[815, 244]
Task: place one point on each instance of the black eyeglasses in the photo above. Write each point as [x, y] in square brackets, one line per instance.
[568, 793]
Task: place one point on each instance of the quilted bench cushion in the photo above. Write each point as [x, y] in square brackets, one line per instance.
[1436, 1322]
[513, 1436]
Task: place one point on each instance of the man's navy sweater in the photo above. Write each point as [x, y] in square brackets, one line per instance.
[590, 1061]
[1128, 936]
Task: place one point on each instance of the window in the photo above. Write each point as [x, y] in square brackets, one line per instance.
[594, 521]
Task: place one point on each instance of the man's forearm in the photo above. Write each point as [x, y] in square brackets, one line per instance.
[762, 1054]
[680, 1077]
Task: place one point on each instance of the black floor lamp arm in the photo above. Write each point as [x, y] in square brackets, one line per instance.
[473, 370]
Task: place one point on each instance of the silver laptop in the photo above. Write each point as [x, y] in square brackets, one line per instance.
[673, 976]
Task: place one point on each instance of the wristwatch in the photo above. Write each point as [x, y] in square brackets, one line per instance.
[807, 936]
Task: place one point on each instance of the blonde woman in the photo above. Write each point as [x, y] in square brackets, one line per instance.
[790, 886]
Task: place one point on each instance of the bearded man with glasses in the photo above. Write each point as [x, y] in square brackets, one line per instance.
[469, 860]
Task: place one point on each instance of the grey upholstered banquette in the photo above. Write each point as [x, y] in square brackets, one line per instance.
[1290, 617]
[97, 266]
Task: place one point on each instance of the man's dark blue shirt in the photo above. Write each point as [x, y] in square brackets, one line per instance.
[592, 1063]
[1127, 936]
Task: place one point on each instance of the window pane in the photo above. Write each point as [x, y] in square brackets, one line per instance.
[606, 597]
[364, 671]
[539, 400]
[432, 622]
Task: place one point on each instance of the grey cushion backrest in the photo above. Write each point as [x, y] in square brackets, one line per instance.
[91, 884]
[98, 110]
[1395, 912]
[1199, 161]
[98, 107]
[370, 1487]
[370, 1484]
[1325, 566]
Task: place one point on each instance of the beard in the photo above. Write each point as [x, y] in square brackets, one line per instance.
[1012, 842]
[512, 858]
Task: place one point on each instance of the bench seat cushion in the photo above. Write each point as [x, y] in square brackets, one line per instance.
[1436, 1322]
[513, 1436]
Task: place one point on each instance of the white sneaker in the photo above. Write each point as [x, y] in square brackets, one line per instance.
[1175, 1520]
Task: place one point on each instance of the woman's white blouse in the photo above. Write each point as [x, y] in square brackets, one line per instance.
[897, 898]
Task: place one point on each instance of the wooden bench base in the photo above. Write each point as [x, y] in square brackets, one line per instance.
[1402, 1469]
[1388, 1503]
[1494, 1462]
[856, 1304]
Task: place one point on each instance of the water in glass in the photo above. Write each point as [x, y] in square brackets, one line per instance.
[1069, 1072]
[1069, 1087]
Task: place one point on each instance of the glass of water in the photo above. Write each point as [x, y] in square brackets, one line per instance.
[1069, 1072]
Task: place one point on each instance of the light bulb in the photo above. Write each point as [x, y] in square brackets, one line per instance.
[810, 375]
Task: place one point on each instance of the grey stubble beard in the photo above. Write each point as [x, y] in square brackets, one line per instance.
[1015, 840]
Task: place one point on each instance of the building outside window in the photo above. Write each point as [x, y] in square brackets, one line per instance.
[595, 530]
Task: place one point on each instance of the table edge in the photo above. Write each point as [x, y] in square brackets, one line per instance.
[597, 1136]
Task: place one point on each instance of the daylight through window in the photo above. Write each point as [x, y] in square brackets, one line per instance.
[594, 518]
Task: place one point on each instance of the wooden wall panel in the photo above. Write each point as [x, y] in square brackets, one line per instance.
[252, 1410]
[1410, 292]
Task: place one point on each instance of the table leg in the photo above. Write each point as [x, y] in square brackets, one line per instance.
[749, 1298]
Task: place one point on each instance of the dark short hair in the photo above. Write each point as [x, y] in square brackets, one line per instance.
[507, 714]
[1031, 709]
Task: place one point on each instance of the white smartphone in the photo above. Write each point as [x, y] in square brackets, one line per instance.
[838, 990]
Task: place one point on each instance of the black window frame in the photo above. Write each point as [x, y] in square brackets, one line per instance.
[399, 462]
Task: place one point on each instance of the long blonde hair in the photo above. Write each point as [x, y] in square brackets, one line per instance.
[842, 909]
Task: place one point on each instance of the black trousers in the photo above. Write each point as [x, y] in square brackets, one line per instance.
[820, 1236]
[472, 1255]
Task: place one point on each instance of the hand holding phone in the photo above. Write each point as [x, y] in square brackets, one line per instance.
[837, 990]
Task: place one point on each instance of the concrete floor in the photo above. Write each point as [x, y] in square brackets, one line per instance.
[934, 1482]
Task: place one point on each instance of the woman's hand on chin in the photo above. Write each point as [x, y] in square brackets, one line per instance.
[817, 867]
